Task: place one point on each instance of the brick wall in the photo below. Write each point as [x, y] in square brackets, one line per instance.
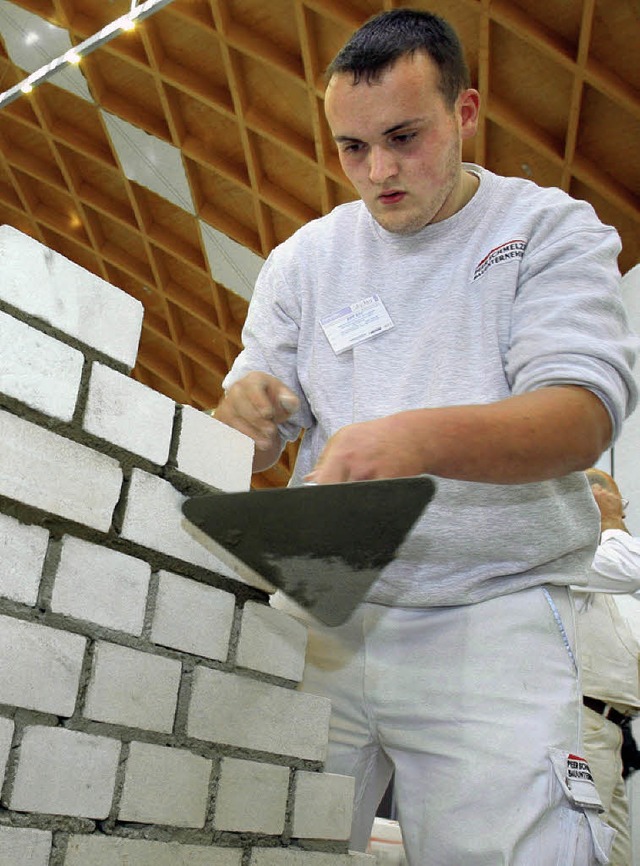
[148, 706]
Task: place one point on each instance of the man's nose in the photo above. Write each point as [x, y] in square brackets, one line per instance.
[382, 165]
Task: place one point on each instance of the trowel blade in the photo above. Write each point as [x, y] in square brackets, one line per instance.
[323, 545]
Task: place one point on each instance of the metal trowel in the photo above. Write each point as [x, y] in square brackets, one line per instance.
[323, 545]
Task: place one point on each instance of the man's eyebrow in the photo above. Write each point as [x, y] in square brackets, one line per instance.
[411, 122]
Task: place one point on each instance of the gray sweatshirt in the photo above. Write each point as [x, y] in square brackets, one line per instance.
[517, 291]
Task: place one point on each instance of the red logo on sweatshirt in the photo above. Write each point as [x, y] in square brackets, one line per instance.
[504, 253]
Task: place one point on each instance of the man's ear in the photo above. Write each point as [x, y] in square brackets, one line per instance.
[468, 109]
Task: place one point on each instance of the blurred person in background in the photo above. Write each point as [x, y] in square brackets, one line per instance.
[610, 659]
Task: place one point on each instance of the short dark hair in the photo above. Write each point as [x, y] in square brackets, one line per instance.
[386, 37]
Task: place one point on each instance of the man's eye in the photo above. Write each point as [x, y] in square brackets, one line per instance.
[404, 137]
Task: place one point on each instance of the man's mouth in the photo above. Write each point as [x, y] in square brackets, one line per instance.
[391, 197]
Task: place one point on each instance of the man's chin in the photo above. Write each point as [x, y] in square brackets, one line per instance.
[399, 224]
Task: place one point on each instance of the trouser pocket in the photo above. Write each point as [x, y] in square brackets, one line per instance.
[585, 838]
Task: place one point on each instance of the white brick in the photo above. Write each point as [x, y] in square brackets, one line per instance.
[40, 668]
[239, 711]
[252, 797]
[127, 413]
[24, 846]
[62, 772]
[45, 284]
[132, 688]
[22, 551]
[47, 471]
[99, 850]
[165, 786]
[272, 642]
[323, 806]
[41, 372]
[6, 736]
[193, 617]
[298, 857]
[100, 585]
[153, 518]
[213, 452]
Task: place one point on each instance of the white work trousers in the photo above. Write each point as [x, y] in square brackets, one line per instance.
[463, 704]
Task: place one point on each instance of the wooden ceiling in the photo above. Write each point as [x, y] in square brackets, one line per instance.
[234, 87]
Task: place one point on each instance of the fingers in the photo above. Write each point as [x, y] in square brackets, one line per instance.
[320, 475]
[288, 402]
[256, 405]
[269, 397]
[339, 461]
[337, 472]
[609, 503]
[368, 450]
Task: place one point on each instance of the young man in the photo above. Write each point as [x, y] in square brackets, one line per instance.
[468, 326]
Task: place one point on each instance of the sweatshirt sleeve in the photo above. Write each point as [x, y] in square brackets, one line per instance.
[569, 325]
[270, 339]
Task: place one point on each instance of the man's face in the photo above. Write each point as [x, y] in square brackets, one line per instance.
[399, 143]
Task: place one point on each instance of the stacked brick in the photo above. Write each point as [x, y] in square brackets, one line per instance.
[148, 709]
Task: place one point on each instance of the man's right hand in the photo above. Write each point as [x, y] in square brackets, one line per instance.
[255, 405]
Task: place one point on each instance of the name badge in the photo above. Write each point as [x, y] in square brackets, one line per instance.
[356, 324]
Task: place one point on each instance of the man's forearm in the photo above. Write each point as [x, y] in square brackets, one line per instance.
[532, 437]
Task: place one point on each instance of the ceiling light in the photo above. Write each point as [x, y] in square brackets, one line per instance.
[73, 57]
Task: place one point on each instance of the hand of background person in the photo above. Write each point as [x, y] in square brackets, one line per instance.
[611, 508]
[255, 405]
